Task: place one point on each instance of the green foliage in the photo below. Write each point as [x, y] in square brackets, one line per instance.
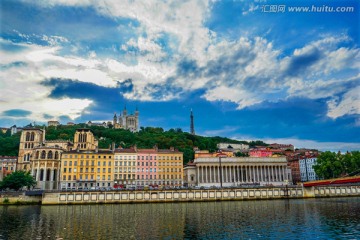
[18, 180]
[333, 165]
[147, 137]
[9, 145]
[241, 154]
[6, 201]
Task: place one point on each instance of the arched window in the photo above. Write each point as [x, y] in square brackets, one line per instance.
[54, 176]
[85, 136]
[25, 145]
[37, 155]
[32, 136]
[42, 175]
[50, 155]
[56, 155]
[43, 154]
[24, 159]
[27, 136]
[48, 174]
[28, 157]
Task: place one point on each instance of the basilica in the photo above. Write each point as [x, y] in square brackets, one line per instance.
[127, 121]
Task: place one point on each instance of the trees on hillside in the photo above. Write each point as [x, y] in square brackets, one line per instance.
[333, 165]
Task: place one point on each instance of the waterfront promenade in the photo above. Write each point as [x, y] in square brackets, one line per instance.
[187, 195]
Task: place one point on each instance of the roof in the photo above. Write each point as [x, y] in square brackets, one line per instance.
[125, 150]
[8, 157]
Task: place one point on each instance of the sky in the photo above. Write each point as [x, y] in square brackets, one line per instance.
[277, 71]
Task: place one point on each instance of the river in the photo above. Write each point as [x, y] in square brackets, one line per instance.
[326, 218]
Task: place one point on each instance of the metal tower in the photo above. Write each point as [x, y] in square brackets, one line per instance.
[192, 129]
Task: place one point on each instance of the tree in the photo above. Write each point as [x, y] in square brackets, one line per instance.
[18, 180]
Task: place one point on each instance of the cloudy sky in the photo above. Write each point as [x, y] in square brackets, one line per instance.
[249, 70]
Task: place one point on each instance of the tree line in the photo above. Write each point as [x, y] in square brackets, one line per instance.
[334, 165]
[147, 137]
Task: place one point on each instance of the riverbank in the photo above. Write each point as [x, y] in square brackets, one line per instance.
[198, 195]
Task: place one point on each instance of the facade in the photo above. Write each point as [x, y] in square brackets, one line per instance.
[260, 152]
[236, 147]
[239, 171]
[45, 166]
[53, 123]
[85, 166]
[125, 167]
[87, 169]
[30, 138]
[147, 167]
[307, 172]
[282, 146]
[127, 121]
[170, 167]
[7, 165]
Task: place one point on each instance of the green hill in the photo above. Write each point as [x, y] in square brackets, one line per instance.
[146, 138]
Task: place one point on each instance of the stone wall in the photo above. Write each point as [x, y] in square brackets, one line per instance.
[198, 195]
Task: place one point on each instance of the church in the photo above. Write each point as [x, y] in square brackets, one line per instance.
[127, 121]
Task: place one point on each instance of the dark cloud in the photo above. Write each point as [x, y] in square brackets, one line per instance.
[299, 64]
[16, 113]
[47, 116]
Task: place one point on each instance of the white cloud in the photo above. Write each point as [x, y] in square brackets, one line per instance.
[349, 104]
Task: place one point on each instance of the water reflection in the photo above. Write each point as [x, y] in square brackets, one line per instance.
[277, 219]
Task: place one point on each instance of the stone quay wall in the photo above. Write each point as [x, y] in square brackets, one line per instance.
[239, 194]
[198, 195]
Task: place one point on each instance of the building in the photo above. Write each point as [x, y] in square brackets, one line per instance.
[45, 166]
[170, 167]
[307, 172]
[235, 147]
[293, 163]
[15, 129]
[190, 174]
[86, 166]
[260, 152]
[53, 123]
[127, 121]
[283, 147]
[7, 165]
[97, 124]
[4, 130]
[147, 167]
[238, 171]
[30, 138]
[125, 167]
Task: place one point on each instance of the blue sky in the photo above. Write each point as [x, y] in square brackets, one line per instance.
[247, 72]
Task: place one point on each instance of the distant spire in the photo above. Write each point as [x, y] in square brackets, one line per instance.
[192, 129]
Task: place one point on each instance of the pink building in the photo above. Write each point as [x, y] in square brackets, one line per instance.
[146, 169]
[263, 152]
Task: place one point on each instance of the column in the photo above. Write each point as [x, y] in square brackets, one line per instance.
[45, 172]
[261, 174]
[272, 171]
[284, 173]
[206, 174]
[246, 174]
[198, 174]
[235, 177]
[218, 175]
[202, 174]
[38, 172]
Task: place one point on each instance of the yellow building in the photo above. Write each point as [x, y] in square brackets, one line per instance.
[170, 167]
[85, 166]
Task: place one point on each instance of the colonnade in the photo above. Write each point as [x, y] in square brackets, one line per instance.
[45, 174]
[241, 174]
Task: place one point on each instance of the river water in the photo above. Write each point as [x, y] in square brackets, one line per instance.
[327, 218]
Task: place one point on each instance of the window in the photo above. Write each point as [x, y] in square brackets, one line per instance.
[65, 163]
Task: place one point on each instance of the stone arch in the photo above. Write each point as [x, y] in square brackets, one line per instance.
[41, 175]
[32, 136]
[50, 155]
[43, 154]
[56, 155]
[54, 176]
[27, 138]
[37, 155]
[48, 176]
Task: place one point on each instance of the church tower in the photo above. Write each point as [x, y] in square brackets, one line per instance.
[192, 129]
[114, 120]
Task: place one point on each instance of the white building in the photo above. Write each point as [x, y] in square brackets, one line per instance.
[236, 171]
[307, 172]
[236, 147]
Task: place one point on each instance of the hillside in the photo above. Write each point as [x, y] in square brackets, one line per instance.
[146, 138]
